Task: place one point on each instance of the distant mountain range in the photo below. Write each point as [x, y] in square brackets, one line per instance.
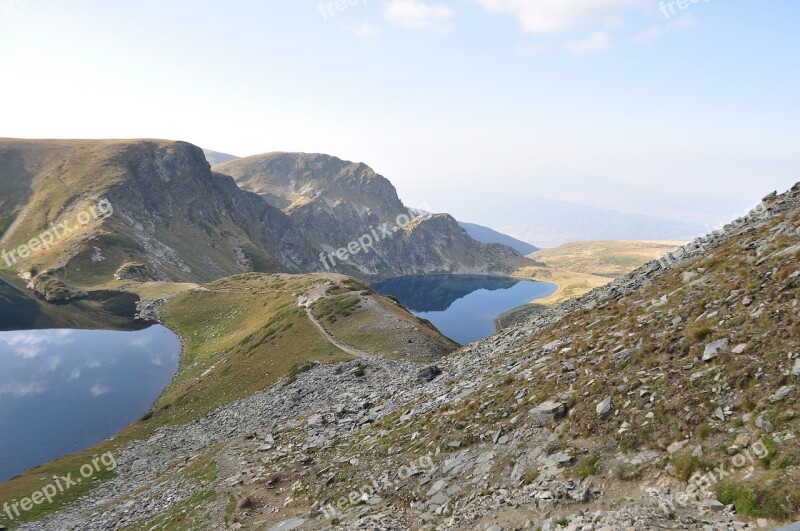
[550, 206]
[487, 235]
[215, 157]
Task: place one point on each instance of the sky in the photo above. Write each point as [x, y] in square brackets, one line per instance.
[446, 98]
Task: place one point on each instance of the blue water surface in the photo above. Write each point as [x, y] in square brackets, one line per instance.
[62, 391]
[463, 307]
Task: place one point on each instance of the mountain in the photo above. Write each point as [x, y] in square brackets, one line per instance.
[138, 209]
[215, 157]
[99, 213]
[665, 399]
[338, 204]
[487, 235]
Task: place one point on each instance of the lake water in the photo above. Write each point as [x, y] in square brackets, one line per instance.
[463, 307]
[62, 391]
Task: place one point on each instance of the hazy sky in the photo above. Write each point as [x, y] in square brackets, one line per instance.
[705, 100]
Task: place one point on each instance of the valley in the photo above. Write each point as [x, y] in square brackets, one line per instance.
[297, 385]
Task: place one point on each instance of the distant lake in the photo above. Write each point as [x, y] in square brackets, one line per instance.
[62, 391]
[463, 307]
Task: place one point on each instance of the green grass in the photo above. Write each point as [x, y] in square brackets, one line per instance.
[687, 465]
[587, 466]
[530, 476]
[778, 500]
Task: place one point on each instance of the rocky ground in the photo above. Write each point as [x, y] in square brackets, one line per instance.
[667, 399]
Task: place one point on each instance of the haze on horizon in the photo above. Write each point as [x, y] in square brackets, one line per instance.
[492, 110]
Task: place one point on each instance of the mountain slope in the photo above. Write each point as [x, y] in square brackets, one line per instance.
[336, 202]
[617, 410]
[165, 215]
[216, 157]
[487, 235]
[608, 258]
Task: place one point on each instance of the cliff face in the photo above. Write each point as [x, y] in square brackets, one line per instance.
[335, 202]
[151, 206]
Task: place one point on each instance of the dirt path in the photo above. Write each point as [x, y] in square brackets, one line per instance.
[14, 224]
[335, 342]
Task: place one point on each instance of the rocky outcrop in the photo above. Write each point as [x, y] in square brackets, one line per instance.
[336, 203]
[49, 287]
[162, 208]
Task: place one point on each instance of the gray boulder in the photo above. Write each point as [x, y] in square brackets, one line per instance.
[548, 411]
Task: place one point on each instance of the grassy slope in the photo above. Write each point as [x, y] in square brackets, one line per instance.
[253, 333]
[579, 267]
[48, 196]
[380, 325]
[605, 258]
[186, 222]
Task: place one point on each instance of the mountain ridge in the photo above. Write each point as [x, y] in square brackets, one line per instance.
[174, 219]
[336, 201]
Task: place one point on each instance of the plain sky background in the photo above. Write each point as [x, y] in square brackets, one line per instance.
[442, 97]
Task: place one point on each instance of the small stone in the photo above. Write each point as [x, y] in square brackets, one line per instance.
[740, 348]
[763, 423]
[438, 486]
[677, 446]
[286, 525]
[781, 393]
[712, 349]
[620, 358]
[747, 301]
[316, 420]
[604, 408]
[698, 451]
[715, 505]
[720, 414]
[439, 499]
[796, 370]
